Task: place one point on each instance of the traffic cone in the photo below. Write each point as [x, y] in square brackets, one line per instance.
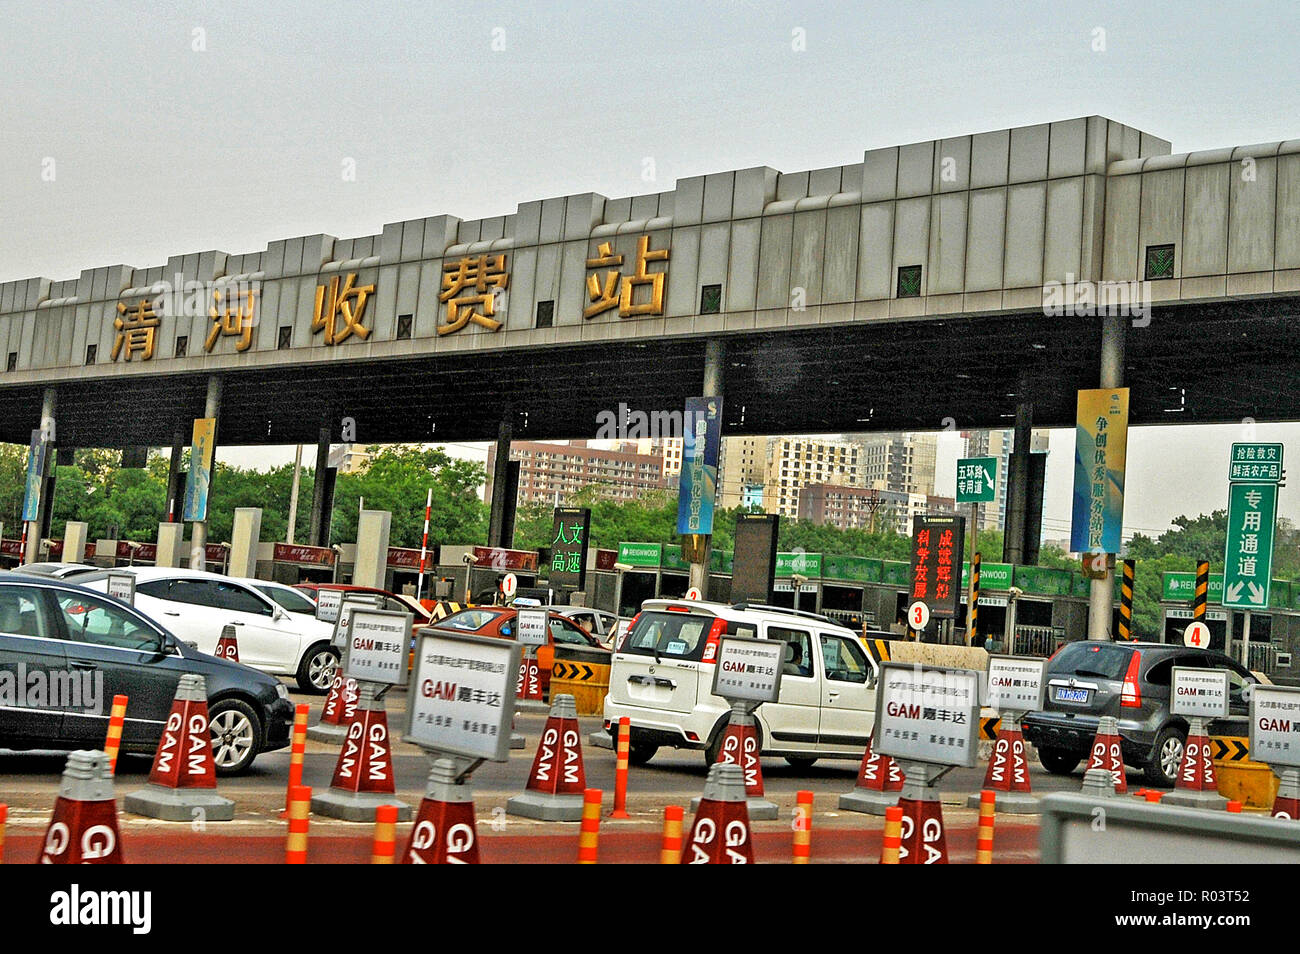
[1106, 753]
[1287, 802]
[557, 779]
[1098, 783]
[530, 679]
[517, 741]
[720, 833]
[340, 708]
[880, 779]
[444, 831]
[83, 827]
[1196, 785]
[363, 776]
[740, 747]
[183, 782]
[1008, 773]
[923, 840]
[228, 644]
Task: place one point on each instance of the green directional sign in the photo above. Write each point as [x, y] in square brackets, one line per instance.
[1256, 462]
[976, 479]
[1248, 557]
[1177, 586]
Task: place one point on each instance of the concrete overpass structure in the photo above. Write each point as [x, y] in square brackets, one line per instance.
[887, 294]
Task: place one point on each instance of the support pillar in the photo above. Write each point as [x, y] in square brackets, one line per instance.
[1100, 591]
[502, 514]
[199, 528]
[1013, 546]
[175, 486]
[714, 355]
[39, 527]
[370, 566]
[322, 494]
[245, 535]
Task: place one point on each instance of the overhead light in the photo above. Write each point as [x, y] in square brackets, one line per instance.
[1036, 346]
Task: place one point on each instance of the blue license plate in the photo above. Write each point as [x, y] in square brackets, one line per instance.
[1072, 695]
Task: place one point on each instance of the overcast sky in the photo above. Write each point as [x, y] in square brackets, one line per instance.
[133, 132]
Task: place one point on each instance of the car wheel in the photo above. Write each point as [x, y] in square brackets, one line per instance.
[1162, 770]
[1059, 761]
[801, 762]
[236, 735]
[316, 671]
[639, 753]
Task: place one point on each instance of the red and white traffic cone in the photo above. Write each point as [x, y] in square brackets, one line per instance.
[922, 839]
[880, 779]
[363, 776]
[228, 644]
[340, 708]
[83, 828]
[1196, 785]
[183, 782]
[1287, 802]
[558, 778]
[530, 679]
[740, 747]
[444, 831]
[1008, 771]
[1106, 754]
[720, 833]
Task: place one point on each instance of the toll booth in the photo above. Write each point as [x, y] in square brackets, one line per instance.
[294, 563]
[11, 552]
[403, 570]
[490, 563]
[1274, 630]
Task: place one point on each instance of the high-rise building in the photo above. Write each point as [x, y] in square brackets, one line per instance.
[853, 508]
[742, 471]
[901, 463]
[796, 462]
[553, 472]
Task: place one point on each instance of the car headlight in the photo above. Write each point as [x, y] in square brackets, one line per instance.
[281, 690]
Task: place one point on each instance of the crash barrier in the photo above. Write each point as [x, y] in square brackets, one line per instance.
[803, 805]
[385, 844]
[589, 834]
[83, 827]
[557, 780]
[295, 845]
[183, 781]
[1240, 778]
[1135, 832]
[671, 852]
[113, 742]
[581, 672]
[929, 654]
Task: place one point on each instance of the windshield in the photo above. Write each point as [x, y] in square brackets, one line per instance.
[1088, 658]
[679, 635]
[292, 600]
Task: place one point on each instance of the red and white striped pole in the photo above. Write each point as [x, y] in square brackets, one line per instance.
[620, 769]
[385, 842]
[297, 754]
[113, 741]
[295, 846]
[589, 831]
[424, 545]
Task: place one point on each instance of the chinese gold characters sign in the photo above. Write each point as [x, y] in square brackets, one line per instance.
[617, 290]
[345, 303]
[137, 330]
[471, 284]
[233, 315]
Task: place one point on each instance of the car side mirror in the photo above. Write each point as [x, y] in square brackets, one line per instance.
[277, 614]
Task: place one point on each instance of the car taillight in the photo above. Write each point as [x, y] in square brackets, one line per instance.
[1130, 696]
[716, 632]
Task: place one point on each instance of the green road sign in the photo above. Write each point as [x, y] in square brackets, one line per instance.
[976, 479]
[1177, 586]
[1248, 556]
[1256, 462]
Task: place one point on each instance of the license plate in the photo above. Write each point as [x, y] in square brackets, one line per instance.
[1071, 695]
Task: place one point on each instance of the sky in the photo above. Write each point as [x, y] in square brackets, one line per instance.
[134, 132]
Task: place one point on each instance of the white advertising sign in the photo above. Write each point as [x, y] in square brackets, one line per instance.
[378, 642]
[1199, 693]
[462, 694]
[749, 669]
[530, 627]
[327, 605]
[1016, 683]
[350, 602]
[1275, 725]
[927, 714]
[121, 586]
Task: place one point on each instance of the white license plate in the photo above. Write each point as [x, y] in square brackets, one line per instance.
[1063, 694]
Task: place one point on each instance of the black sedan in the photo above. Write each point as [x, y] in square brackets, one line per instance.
[65, 651]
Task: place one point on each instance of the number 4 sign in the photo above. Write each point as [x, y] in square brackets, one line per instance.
[1197, 635]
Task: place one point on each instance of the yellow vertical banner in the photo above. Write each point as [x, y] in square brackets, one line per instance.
[1100, 451]
[202, 448]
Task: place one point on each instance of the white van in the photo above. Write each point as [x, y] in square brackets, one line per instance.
[661, 679]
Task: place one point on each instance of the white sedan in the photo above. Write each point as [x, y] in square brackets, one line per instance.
[196, 606]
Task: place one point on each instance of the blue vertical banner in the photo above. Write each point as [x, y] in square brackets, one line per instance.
[35, 475]
[701, 443]
[1100, 451]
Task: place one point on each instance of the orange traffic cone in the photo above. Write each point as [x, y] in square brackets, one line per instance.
[444, 831]
[363, 776]
[1106, 754]
[1195, 785]
[83, 829]
[558, 779]
[720, 833]
[183, 781]
[880, 779]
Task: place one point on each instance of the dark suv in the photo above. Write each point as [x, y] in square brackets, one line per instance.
[1130, 681]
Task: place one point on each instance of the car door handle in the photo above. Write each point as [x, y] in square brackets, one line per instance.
[834, 695]
[75, 664]
[234, 622]
[171, 613]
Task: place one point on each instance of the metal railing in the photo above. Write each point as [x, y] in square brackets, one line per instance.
[1037, 641]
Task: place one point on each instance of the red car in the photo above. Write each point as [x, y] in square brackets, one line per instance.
[392, 601]
[499, 621]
